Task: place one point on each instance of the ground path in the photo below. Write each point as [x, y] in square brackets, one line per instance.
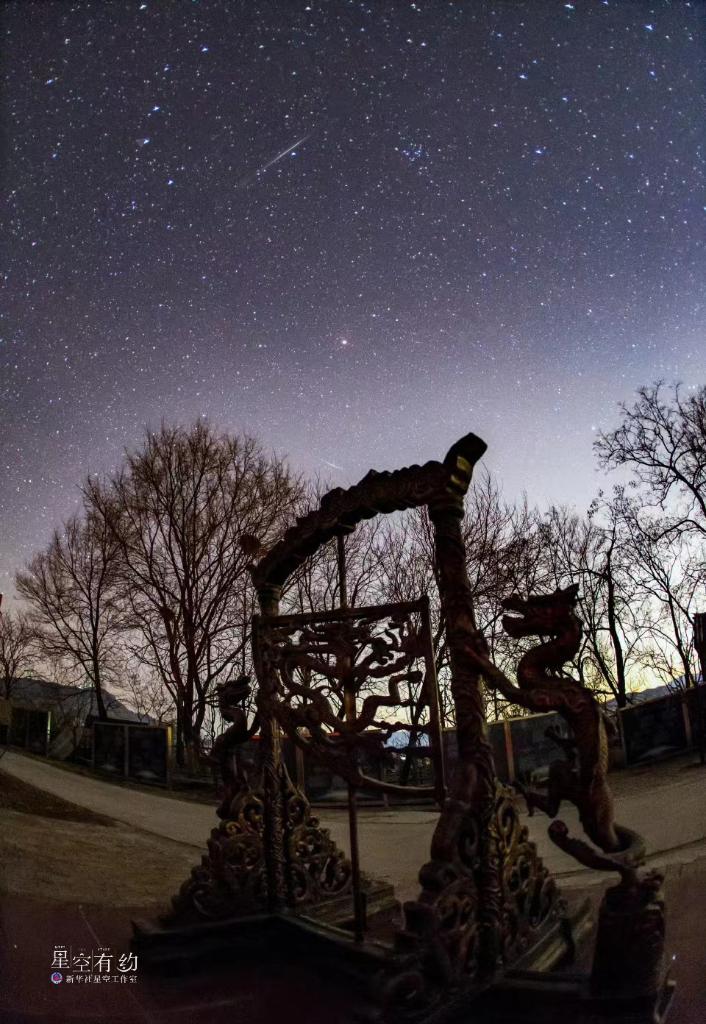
[664, 803]
[161, 832]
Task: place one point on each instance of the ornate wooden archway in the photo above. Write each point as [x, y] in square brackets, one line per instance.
[486, 901]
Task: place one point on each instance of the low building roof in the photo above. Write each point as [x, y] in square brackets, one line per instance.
[46, 695]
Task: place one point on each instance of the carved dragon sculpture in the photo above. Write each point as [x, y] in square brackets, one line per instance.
[542, 687]
[225, 754]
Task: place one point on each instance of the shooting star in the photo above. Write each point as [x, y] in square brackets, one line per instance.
[275, 160]
[285, 152]
[331, 464]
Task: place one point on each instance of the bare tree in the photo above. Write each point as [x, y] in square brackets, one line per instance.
[665, 570]
[145, 692]
[593, 552]
[315, 585]
[177, 511]
[16, 648]
[663, 442]
[501, 550]
[70, 590]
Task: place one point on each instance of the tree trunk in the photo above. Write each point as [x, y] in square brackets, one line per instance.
[100, 703]
[179, 737]
[190, 735]
[614, 635]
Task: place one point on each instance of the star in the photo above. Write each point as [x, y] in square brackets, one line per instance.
[365, 235]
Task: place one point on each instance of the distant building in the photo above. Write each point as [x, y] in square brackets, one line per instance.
[48, 718]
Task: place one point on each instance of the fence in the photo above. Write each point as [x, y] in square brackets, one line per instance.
[25, 727]
[663, 726]
[646, 731]
[139, 752]
[651, 729]
[5, 716]
[519, 747]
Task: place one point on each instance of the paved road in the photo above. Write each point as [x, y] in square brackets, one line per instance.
[665, 804]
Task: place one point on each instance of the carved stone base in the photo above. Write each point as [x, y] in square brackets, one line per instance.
[627, 983]
[487, 904]
[181, 948]
[361, 969]
[230, 881]
[436, 964]
[415, 992]
[280, 937]
[181, 943]
[630, 941]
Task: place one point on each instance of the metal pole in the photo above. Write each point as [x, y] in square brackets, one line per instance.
[358, 894]
[431, 694]
[350, 713]
[342, 578]
[700, 645]
[278, 886]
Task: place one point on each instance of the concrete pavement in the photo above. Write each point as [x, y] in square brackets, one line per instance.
[664, 802]
[185, 821]
[665, 805]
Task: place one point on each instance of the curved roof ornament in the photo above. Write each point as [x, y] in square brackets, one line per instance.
[341, 509]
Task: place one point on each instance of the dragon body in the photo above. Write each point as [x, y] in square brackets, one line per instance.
[541, 687]
[544, 689]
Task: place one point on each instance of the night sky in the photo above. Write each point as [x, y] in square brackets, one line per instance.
[357, 230]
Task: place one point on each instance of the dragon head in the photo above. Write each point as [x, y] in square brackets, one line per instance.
[232, 695]
[543, 615]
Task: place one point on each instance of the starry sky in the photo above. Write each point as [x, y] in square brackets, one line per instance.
[357, 230]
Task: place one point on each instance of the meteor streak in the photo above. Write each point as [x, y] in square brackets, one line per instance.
[284, 153]
[275, 159]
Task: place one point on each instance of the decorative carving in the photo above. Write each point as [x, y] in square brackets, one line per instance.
[530, 895]
[231, 879]
[472, 786]
[441, 948]
[318, 665]
[376, 493]
[629, 947]
[316, 869]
